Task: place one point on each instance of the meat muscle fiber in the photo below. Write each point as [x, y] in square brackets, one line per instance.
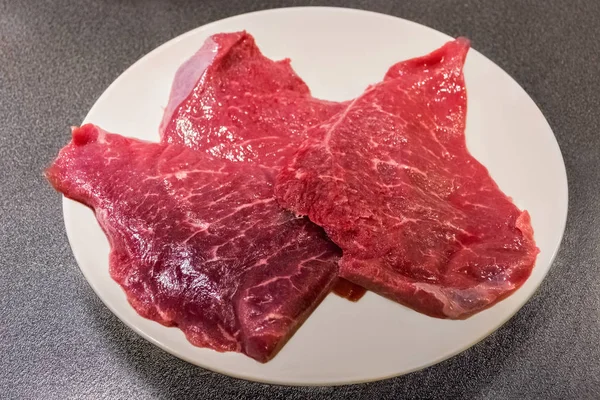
[232, 102]
[391, 181]
[197, 242]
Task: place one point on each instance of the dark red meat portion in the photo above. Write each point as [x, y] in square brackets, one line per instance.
[232, 102]
[390, 179]
[197, 242]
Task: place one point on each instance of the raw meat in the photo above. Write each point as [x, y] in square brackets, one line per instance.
[419, 220]
[198, 242]
[234, 103]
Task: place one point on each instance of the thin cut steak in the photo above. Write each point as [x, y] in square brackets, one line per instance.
[234, 103]
[419, 220]
[197, 242]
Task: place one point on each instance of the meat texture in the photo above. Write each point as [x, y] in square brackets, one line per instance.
[232, 102]
[197, 242]
[390, 178]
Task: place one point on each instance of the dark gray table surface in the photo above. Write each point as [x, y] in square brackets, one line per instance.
[58, 341]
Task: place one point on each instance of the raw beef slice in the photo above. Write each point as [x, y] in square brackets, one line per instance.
[234, 103]
[199, 243]
[419, 220]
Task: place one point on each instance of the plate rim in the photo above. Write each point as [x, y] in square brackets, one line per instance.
[66, 203]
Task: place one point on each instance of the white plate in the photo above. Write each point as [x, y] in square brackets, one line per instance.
[339, 52]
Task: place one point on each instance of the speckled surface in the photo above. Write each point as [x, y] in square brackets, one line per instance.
[58, 341]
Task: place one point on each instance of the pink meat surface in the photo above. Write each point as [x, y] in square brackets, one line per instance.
[232, 102]
[198, 242]
[390, 178]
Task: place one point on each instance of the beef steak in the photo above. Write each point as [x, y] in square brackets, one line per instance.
[198, 242]
[231, 101]
[419, 219]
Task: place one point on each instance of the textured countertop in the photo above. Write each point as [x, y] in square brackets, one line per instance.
[58, 341]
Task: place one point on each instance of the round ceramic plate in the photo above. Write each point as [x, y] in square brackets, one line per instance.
[338, 52]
